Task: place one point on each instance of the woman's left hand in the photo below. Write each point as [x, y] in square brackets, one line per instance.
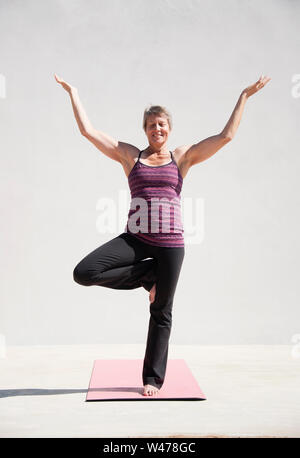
[250, 90]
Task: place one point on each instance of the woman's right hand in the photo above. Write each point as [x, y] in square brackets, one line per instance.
[64, 84]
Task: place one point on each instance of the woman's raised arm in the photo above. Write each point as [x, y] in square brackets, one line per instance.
[193, 154]
[109, 146]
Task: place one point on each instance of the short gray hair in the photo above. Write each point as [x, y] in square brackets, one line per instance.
[157, 110]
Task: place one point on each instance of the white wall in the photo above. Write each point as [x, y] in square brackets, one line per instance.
[239, 285]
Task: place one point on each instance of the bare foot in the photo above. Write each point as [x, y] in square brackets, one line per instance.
[150, 390]
[152, 293]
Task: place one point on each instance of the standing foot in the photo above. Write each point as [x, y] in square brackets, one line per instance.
[150, 390]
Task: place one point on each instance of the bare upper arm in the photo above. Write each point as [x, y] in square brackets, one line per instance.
[189, 155]
[114, 149]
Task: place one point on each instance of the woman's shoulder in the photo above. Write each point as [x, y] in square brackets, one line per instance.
[130, 154]
[129, 150]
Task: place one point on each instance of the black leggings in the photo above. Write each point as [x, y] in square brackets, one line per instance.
[122, 263]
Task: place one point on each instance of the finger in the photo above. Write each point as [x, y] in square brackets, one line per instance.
[266, 80]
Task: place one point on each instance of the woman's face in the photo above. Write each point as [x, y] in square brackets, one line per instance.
[157, 130]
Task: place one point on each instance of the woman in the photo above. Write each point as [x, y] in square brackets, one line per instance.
[149, 253]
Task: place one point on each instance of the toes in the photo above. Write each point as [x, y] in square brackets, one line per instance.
[150, 391]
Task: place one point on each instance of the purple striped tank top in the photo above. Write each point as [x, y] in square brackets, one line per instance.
[155, 210]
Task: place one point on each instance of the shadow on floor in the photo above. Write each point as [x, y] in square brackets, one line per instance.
[41, 392]
[37, 392]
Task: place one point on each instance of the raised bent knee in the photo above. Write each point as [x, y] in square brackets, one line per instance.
[82, 276]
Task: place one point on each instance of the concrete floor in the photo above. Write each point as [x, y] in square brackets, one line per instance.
[252, 391]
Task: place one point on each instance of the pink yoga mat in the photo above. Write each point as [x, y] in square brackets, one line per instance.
[122, 379]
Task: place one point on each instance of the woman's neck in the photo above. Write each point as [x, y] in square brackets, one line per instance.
[159, 152]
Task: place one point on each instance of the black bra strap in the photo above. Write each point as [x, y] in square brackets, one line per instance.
[140, 155]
